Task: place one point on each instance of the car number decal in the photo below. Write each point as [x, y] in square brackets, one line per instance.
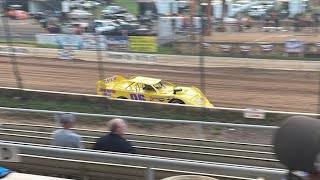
[139, 97]
[109, 79]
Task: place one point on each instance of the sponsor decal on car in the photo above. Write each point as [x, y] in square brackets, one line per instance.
[107, 92]
[156, 99]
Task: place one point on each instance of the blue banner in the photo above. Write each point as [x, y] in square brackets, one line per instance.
[294, 46]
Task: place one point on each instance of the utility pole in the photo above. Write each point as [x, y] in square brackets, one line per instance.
[99, 51]
[201, 56]
[223, 15]
[12, 50]
[209, 17]
[193, 10]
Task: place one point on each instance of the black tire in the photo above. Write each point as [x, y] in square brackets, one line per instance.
[176, 101]
[121, 97]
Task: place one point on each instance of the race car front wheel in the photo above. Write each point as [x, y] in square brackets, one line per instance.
[176, 101]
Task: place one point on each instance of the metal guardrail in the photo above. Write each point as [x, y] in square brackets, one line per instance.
[149, 162]
[131, 118]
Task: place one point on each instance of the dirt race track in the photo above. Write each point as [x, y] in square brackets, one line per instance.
[225, 87]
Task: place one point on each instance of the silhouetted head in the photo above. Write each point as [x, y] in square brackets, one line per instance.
[297, 144]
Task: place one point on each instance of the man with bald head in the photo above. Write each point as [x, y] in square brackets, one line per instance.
[114, 140]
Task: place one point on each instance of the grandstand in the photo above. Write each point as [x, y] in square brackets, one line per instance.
[157, 157]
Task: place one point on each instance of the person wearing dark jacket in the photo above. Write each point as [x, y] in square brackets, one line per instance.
[114, 140]
[297, 146]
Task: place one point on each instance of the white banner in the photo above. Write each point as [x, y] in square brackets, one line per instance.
[226, 48]
[47, 39]
[130, 57]
[14, 50]
[245, 48]
[266, 47]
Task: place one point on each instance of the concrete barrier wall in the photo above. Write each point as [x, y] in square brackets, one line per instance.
[122, 106]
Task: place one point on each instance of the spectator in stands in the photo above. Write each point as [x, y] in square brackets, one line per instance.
[114, 140]
[66, 137]
[297, 146]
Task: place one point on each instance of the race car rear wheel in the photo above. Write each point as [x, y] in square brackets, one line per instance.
[122, 97]
[176, 101]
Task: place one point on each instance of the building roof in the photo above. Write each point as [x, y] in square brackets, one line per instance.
[145, 80]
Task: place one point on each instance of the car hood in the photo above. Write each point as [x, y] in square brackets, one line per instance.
[188, 94]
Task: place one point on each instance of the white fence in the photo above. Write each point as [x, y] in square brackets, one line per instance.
[167, 60]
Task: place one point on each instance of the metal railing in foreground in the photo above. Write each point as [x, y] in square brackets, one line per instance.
[150, 163]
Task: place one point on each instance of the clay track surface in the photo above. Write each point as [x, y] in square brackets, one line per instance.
[225, 87]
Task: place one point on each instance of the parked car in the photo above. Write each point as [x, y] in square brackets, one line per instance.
[18, 14]
[126, 17]
[38, 15]
[89, 4]
[130, 30]
[143, 19]
[257, 11]
[53, 28]
[80, 14]
[113, 16]
[104, 25]
[114, 10]
[150, 89]
[74, 28]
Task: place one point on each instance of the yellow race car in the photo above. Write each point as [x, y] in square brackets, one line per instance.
[150, 89]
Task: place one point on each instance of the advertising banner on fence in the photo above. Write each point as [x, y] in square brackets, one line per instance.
[143, 43]
[47, 39]
[89, 41]
[14, 50]
[62, 40]
[294, 46]
[266, 47]
[69, 41]
[117, 43]
[84, 41]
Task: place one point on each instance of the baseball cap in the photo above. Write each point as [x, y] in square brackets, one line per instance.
[66, 118]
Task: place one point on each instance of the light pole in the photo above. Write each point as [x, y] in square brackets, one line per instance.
[12, 53]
